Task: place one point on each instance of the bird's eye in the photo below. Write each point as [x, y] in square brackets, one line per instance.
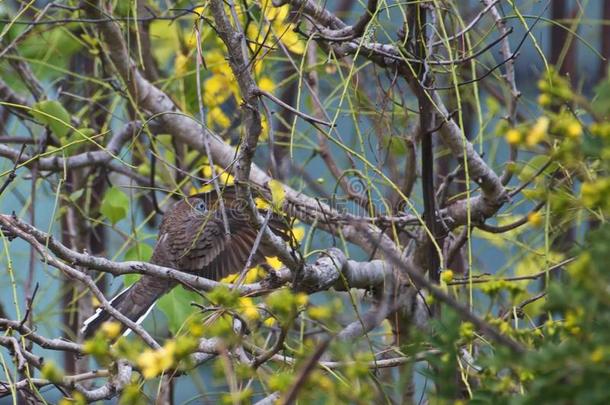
[200, 206]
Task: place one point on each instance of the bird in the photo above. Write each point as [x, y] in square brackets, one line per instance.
[192, 238]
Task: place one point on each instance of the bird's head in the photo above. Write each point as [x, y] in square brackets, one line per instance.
[186, 210]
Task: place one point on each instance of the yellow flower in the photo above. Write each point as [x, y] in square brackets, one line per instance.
[217, 117]
[255, 33]
[281, 29]
[544, 99]
[298, 232]
[301, 299]
[224, 177]
[261, 204]
[330, 69]
[274, 262]
[320, 313]
[111, 329]
[266, 84]
[467, 330]
[51, 372]
[447, 276]
[196, 328]
[191, 41]
[216, 90]
[181, 64]
[269, 322]
[148, 363]
[513, 136]
[216, 62]
[248, 309]
[538, 131]
[292, 41]
[154, 362]
[275, 13]
[231, 278]
[278, 194]
[534, 218]
[574, 129]
[252, 275]
[77, 399]
[504, 327]
[264, 129]
[597, 355]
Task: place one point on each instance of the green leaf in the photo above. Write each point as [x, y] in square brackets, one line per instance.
[74, 142]
[396, 145]
[141, 252]
[530, 168]
[54, 115]
[601, 102]
[176, 305]
[115, 205]
[76, 195]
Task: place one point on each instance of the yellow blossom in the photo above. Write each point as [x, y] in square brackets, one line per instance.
[330, 69]
[77, 399]
[574, 129]
[513, 136]
[111, 329]
[275, 13]
[534, 218]
[154, 362]
[544, 99]
[181, 64]
[216, 90]
[538, 131]
[597, 355]
[320, 313]
[148, 363]
[278, 194]
[231, 278]
[266, 84]
[298, 232]
[301, 299]
[283, 30]
[196, 328]
[217, 118]
[504, 327]
[191, 41]
[51, 372]
[269, 322]
[252, 275]
[447, 276]
[274, 262]
[223, 176]
[264, 129]
[292, 41]
[217, 63]
[261, 204]
[248, 308]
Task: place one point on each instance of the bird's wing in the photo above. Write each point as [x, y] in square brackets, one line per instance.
[202, 247]
[235, 255]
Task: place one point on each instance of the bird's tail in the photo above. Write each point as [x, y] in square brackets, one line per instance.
[135, 302]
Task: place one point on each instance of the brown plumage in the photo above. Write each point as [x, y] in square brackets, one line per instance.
[192, 239]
